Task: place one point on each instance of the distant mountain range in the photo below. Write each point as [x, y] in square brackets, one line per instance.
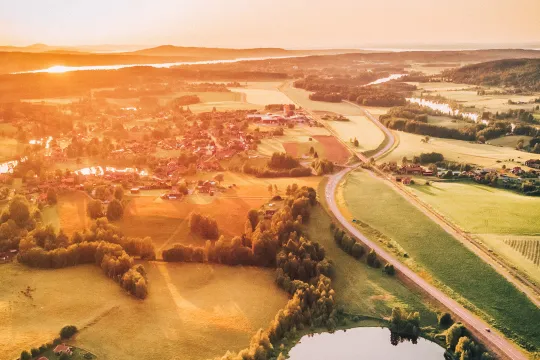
[40, 56]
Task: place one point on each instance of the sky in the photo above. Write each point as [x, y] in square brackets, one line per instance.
[272, 23]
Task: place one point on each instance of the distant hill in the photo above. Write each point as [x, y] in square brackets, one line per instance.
[227, 53]
[517, 73]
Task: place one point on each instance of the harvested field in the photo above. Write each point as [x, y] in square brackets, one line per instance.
[333, 149]
[193, 311]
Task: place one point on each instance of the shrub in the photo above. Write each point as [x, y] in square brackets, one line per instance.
[445, 320]
[68, 331]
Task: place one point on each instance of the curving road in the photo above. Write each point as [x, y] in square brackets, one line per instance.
[470, 320]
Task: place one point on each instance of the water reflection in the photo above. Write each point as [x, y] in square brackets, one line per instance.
[365, 343]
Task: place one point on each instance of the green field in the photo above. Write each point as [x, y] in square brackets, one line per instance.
[363, 290]
[441, 258]
[492, 215]
[457, 150]
[510, 141]
[193, 311]
[467, 96]
[447, 122]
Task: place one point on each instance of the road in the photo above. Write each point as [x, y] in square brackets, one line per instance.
[470, 320]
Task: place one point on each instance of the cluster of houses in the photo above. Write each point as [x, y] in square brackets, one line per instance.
[289, 115]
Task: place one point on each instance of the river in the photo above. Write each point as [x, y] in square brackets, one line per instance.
[445, 109]
[363, 343]
[58, 69]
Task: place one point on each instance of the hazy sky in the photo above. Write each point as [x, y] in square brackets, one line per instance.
[257, 23]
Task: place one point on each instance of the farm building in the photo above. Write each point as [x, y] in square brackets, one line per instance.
[533, 163]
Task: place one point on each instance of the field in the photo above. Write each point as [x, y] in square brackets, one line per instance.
[262, 93]
[360, 127]
[193, 311]
[465, 95]
[498, 217]
[510, 141]
[10, 149]
[457, 150]
[361, 289]
[439, 257]
[69, 213]
[166, 221]
[447, 122]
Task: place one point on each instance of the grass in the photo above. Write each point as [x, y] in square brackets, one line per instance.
[458, 150]
[259, 96]
[360, 127]
[447, 122]
[465, 95]
[363, 290]
[10, 149]
[510, 141]
[482, 209]
[440, 258]
[492, 215]
[193, 311]
[69, 214]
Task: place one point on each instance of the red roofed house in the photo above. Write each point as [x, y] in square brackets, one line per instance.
[62, 349]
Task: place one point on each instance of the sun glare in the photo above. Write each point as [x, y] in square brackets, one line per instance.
[58, 69]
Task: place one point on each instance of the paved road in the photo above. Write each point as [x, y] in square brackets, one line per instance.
[470, 320]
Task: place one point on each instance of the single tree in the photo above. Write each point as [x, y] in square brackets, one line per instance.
[219, 178]
[118, 193]
[115, 210]
[94, 209]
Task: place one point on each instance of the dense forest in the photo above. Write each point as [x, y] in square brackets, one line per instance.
[518, 73]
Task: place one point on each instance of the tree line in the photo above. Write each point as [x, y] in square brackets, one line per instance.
[101, 244]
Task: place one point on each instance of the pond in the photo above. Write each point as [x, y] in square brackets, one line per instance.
[364, 343]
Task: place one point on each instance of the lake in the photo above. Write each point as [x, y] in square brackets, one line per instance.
[363, 343]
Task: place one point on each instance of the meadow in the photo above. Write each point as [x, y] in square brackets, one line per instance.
[10, 149]
[440, 258]
[298, 141]
[494, 216]
[447, 122]
[193, 311]
[363, 290]
[467, 96]
[457, 150]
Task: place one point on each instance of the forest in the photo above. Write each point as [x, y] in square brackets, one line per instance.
[517, 73]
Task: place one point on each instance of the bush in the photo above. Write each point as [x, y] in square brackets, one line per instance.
[389, 269]
[25, 355]
[68, 331]
[372, 259]
[445, 319]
